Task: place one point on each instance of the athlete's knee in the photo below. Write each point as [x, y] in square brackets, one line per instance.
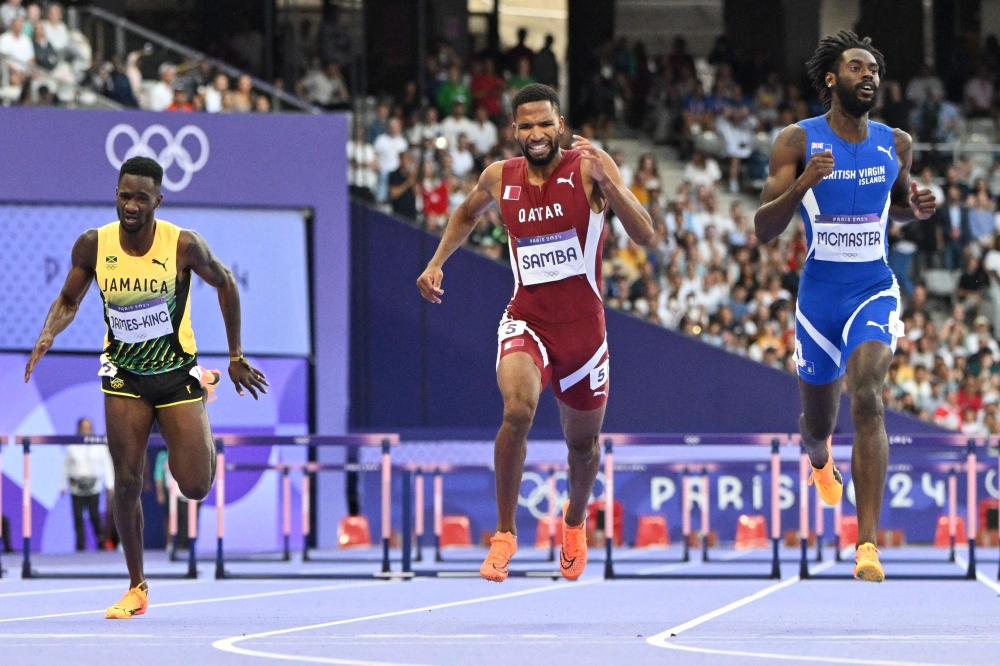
[866, 403]
[195, 489]
[585, 449]
[817, 428]
[518, 414]
[128, 485]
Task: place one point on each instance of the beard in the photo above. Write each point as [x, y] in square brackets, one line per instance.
[849, 100]
[540, 161]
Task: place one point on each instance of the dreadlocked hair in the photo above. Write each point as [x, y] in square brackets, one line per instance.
[827, 57]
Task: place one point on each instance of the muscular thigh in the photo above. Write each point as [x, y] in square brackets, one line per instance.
[129, 421]
[190, 448]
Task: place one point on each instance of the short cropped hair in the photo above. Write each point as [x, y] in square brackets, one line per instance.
[142, 166]
[535, 92]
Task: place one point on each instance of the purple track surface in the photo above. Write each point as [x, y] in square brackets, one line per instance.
[523, 621]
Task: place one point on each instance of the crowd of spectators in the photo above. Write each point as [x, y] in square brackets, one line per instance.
[34, 39]
[42, 61]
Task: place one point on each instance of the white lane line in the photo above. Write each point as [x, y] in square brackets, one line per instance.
[980, 575]
[65, 590]
[3, 636]
[258, 595]
[229, 644]
[802, 658]
[662, 639]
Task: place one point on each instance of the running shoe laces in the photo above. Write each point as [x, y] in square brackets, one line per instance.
[503, 545]
[133, 603]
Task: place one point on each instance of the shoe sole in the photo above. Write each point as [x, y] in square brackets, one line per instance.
[492, 579]
[869, 573]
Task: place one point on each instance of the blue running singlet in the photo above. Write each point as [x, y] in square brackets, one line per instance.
[847, 293]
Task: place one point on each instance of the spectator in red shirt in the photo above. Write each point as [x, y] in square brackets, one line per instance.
[487, 87]
[180, 102]
[969, 396]
[434, 193]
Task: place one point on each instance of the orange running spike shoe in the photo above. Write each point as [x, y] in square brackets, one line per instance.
[828, 479]
[573, 555]
[133, 603]
[209, 381]
[503, 545]
[867, 567]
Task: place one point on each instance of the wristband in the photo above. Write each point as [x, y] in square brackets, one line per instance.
[237, 359]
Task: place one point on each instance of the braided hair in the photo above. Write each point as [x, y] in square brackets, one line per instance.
[827, 58]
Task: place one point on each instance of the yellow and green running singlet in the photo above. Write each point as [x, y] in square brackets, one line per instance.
[146, 307]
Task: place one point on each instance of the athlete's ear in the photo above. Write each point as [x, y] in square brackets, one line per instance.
[831, 78]
[159, 198]
[562, 125]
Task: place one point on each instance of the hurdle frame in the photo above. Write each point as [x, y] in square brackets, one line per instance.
[774, 440]
[383, 440]
[27, 570]
[410, 472]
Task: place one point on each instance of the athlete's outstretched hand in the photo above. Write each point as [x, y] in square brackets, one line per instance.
[589, 153]
[817, 168]
[43, 345]
[429, 284]
[245, 375]
[921, 201]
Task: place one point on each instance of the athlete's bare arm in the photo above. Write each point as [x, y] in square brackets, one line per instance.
[908, 201]
[194, 255]
[81, 273]
[460, 225]
[783, 191]
[607, 187]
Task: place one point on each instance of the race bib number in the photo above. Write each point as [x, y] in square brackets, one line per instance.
[510, 328]
[550, 258]
[108, 369]
[599, 375]
[140, 322]
[851, 238]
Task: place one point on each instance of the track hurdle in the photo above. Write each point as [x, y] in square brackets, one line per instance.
[680, 448]
[309, 470]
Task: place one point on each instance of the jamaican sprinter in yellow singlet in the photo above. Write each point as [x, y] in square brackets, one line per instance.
[148, 370]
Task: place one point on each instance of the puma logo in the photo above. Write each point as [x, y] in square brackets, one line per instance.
[568, 181]
[597, 393]
[884, 327]
[161, 263]
[887, 151]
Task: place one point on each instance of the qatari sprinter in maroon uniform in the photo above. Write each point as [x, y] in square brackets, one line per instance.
[553, 204]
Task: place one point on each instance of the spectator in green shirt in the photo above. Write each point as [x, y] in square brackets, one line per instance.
[523, 76]
[453, 90]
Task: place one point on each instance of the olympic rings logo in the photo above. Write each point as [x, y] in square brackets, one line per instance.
[551, 274]
[173, 152]
[537, 499]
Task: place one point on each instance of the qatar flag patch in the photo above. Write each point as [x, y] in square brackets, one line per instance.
[513, 343]
[512, 193]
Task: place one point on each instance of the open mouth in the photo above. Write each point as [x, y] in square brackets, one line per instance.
[539, 149]
[866, 89]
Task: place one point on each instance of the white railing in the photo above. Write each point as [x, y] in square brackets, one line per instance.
[128, 36]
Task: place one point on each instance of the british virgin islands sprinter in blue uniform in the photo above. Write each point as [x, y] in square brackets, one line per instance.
[848, 177]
